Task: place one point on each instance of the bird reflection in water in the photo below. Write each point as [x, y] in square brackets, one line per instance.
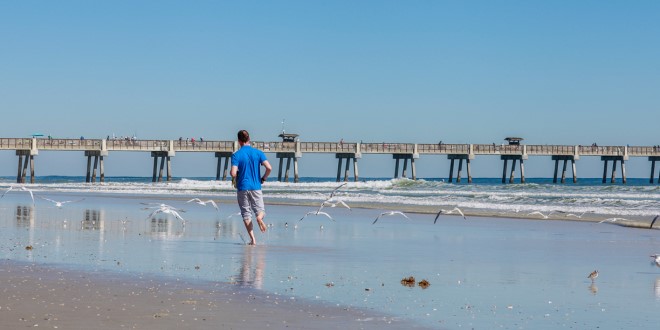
[656, 288]
[593, 288]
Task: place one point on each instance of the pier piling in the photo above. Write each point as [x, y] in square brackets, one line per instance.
[614, 160]
[653, 159]
[460, 158]
[25, 158]
[219, 168]
[405, 158]
[289, 156]
[349, 157]
[164, 155]
[513, 158]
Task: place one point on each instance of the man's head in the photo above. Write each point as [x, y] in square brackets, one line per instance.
[243, 136]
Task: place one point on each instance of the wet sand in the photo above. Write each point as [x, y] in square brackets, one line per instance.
[55, 298]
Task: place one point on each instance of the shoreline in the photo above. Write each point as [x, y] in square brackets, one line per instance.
[432, 210]
[51, 296]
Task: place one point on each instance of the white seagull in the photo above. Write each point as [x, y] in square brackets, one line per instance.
[160, 206]
[201, 202]
[545, 216]
[656, 259]
[389, 213]
[237, 214]
[456, 209]
[60, 204]
[333, 202]
[334, 191]
[580, 215]
[167, 210]
[22, 188]
[316, 213]
[613, 220]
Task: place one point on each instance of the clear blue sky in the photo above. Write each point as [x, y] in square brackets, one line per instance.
[553, 72]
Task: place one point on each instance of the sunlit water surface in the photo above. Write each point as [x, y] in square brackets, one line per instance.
[483, 273]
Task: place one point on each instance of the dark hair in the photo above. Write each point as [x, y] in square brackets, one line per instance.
[243, 136]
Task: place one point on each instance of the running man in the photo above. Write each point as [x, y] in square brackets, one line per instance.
[245, 172]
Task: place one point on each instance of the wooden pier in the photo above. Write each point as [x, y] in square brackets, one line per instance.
[292, 150]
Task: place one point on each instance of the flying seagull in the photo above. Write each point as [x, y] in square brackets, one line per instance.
[389, 213]
[334, 191]
[316, 213]
[456, 209]
[579, 216]
[204, 203]
[167, 210]
[656, 259]
[613, 220]
[545, 216]
[22, 188]
[60, 204]
[333, 202]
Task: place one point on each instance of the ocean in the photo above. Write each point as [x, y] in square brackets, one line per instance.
[488, 271]
[637, 199]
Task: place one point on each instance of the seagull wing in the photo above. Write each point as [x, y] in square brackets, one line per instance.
[652, 222]
[30, 191]
[460, 212]
[48, 199]
[8, 190]
[77, 200]
[151, 215]
[345, 205]
[305, 216]
[177, 215]
[326, 214]
[399, 212]
[233, 214]
[437, 216]
[378, 217]
[213, 203]
[334, 191]
[195, 200]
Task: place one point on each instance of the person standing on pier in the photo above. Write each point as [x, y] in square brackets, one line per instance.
[245, 171]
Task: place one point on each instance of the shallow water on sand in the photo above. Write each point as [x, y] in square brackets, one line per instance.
[483, 272]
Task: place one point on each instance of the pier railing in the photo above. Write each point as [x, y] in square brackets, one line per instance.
[324, 147]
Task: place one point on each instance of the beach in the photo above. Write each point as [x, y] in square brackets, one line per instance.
[102, 260]
[56, 298]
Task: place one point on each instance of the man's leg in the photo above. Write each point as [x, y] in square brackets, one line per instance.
[260, 221]
[248, 226]
[257, 201]
[244, 204]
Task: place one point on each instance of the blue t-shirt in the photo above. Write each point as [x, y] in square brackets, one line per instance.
[248, 160]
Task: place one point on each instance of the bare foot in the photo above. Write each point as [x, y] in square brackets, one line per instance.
[260, 221]
[262, 225]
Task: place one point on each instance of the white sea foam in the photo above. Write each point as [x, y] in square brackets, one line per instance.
[603, 199]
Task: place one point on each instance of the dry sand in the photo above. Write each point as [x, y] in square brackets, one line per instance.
[54, 298]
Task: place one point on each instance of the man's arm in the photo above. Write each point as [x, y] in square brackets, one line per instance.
[265, 164]
[234, 171]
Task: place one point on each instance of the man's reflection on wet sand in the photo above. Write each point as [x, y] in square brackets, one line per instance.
[251, 274]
